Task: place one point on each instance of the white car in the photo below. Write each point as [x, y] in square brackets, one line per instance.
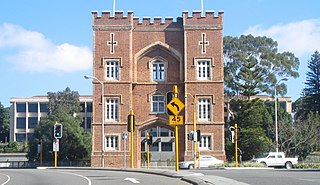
[205, 161]
[276, 159]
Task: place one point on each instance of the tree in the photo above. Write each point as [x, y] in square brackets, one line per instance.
[307, 135]
[4, 123]
[312, 90]
[251, 116]
[75, 144]
[253, 64]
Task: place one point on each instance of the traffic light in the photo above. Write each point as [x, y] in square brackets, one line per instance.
[198, 135]
[129, 123]
[191, 136]
[170, 96]
[149, 139]
[57, 131]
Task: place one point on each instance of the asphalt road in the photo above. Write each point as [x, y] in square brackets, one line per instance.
[81, 177]
[266, 176]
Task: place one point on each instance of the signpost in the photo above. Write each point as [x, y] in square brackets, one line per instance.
[176, 106]
[57, 133]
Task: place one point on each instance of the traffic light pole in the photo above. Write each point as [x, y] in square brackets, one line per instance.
[236, 144]
[132, 137]
[148, 150]
[176, 133]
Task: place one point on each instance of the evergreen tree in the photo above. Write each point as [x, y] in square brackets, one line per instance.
[4, 123]
[253, 64]
[312, 90]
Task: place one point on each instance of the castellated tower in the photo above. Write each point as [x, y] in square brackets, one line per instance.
[139, 61]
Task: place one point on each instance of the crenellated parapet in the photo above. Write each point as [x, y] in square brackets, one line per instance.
[209, 18]
[157, 23]
[107, 19]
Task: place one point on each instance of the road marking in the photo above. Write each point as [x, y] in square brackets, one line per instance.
[134, 181]
[89, 181]
[7, 179]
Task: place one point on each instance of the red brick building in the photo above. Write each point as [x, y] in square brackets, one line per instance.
[139, 61]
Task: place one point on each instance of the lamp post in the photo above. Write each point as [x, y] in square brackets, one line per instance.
[102, 117]
[276, 112]
[194, 127]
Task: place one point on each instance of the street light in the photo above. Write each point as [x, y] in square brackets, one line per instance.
[194, 127]
[102, 117]
[275, 111]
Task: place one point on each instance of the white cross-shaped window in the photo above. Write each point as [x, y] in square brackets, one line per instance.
[203, 43]
[112, 43]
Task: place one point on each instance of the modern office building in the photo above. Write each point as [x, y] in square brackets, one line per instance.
[138, 62]
[25, 113]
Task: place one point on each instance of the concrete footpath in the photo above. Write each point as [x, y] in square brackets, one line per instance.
[191, 177]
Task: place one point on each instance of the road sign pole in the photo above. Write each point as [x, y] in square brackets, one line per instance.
[176, 147]
[132, 135]
[236, 143]
[55, 159]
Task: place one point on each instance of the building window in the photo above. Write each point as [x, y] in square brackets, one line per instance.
[21, 123]
[204, 109]
[43, 107]
[205, 142]
[112, 70]
[158, 71]
[32, 107]
[204, 70]
[112, 142]
[157, 104]
[166, 147]
[89, 122]
[89, 107]
[32, 122]
[112, 109]
[21, 107]
[20, 137]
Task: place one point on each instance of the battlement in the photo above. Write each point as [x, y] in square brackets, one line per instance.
[208, 18]
[119, 18]
[157, 21]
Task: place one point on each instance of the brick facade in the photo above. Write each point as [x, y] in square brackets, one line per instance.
[179, 45]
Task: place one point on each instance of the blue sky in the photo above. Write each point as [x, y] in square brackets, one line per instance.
[46, 45]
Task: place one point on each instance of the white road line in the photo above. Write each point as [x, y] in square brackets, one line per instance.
[7, 179]
[89, 181]
[133, 180]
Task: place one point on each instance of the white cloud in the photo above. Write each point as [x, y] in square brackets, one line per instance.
[301, 38]
[32, 51]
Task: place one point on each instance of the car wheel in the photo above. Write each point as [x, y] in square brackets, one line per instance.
[288, 165]
[263, 164]
[190, 166]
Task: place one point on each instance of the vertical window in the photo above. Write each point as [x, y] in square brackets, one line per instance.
[158, 72]
[204, 109]
[21, 123]
[205, 142]
[204, 70]
[112, 142]
[158, 104]
[32, 107]
[112, 109]
[32, 122]
[20, 137]
[112, 70]
[21, 107]
[43, 107]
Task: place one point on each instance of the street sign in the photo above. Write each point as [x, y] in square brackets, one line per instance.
[55, 145]
[175, 106]
[176, 120]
